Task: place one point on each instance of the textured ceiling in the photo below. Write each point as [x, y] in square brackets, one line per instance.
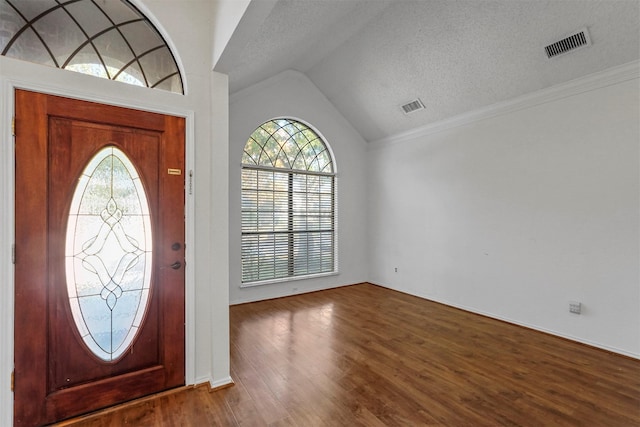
[370, 56]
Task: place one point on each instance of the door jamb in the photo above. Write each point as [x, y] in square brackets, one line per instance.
[7, 225]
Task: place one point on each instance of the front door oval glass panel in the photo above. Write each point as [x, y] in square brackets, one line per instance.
[108, 254]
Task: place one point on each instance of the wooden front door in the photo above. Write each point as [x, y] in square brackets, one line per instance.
[99, 265]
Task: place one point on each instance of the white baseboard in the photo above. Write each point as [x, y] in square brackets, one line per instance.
[223, 382]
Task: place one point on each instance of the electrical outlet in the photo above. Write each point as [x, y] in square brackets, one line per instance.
[396, 269]
[575, 307]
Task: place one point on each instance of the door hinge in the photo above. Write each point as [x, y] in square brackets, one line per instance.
[13, 253]
[13, 380]
[13, 126]
[190, 187]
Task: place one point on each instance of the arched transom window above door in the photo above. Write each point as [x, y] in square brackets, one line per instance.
[105, 38]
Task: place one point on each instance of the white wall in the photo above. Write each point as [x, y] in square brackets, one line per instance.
[235, 23]
[215, 261]
[205, 108]
[519, 212]
[291, 94]
[188, 25]
[226, 16]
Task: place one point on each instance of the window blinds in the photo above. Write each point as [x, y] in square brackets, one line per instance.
[288, 223]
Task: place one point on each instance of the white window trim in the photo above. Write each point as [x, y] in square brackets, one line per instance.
[334, 175]
[288, 279]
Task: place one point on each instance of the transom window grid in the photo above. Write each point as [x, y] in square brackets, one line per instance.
[109, 39]
[288, 214]
[287, 144]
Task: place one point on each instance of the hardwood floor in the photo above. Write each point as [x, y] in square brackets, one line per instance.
[367, 356]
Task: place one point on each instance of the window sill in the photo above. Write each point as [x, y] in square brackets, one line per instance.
[287, 279]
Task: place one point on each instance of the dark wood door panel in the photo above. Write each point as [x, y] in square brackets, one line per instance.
[70, 144]
[57, 376]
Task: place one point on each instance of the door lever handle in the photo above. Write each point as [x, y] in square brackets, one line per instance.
[176, 265]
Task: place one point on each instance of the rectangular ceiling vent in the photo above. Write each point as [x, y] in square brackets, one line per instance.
[570, 43]
[413, 106]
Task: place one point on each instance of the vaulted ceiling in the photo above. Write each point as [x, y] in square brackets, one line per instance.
[369, 57]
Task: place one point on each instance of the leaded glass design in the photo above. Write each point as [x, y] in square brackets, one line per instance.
[288, 203]
[108, 254]
[287, 144]
[105, 38]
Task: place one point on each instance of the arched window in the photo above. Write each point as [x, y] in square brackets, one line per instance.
[110, 39]
[288, 203]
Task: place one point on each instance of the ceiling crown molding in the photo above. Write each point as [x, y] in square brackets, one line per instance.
[588, 83]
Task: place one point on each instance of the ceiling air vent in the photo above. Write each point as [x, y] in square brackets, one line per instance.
[569, 43]
[413, 106]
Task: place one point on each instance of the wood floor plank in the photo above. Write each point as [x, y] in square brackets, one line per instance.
[364, 355]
